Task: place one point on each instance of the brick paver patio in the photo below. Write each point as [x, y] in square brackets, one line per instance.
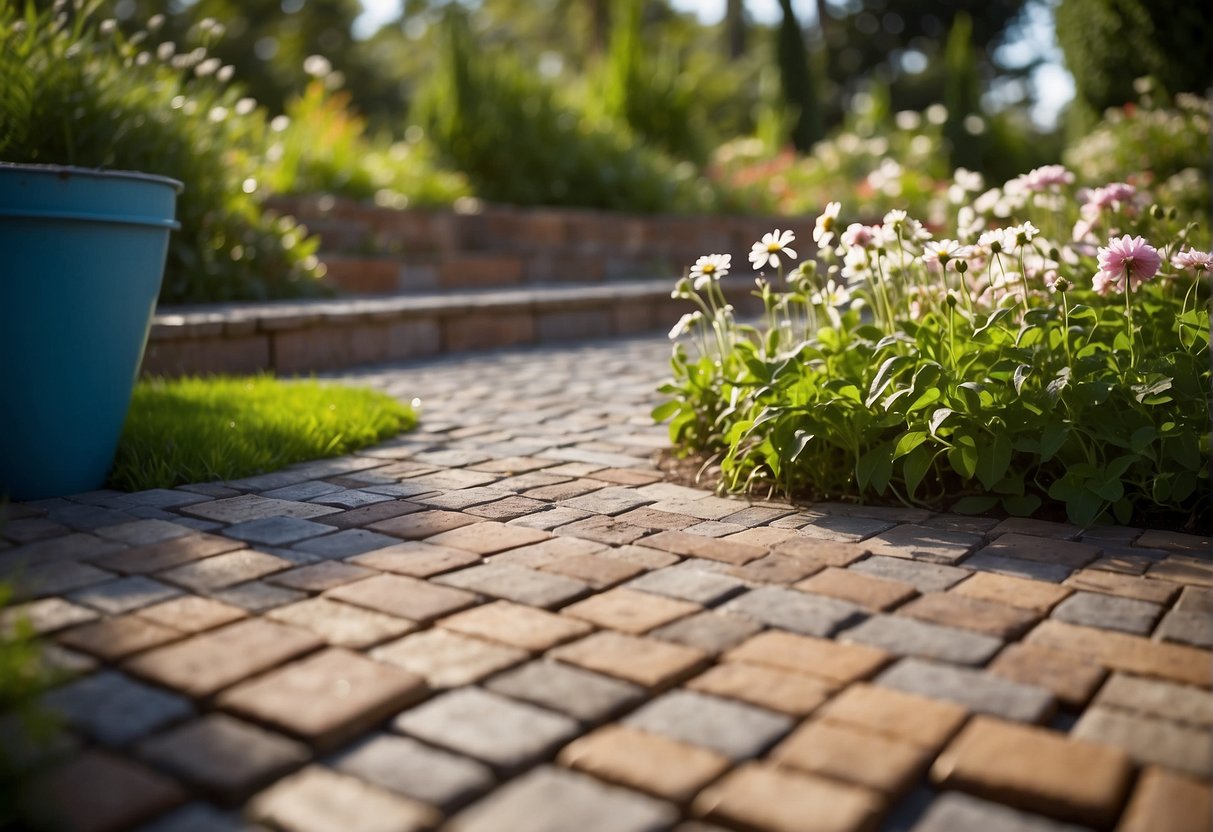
[507, 621]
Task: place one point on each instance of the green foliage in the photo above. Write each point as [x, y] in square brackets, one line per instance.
[797, 83]
[204, 429]
[75, 91]
[1168, 141]
[973, 375]
[321, 146]
[1109, 43]
[519, 142]
[962, 94]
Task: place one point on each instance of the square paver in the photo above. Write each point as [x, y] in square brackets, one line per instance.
[868, 591]
[251, 507]
[346, 543]
[1167, 700]
[588, 697]
[709, 548]
[708, 631]
[1072, 679]
[818, 657]
[951, 609]
[115, 638]
[516, 625]
[205, 664]
[488, 538]
[1165, 800]
[690, 584]
[923, 543]
[320, 800]
[225, 757]
[226, 570]
[645, 762]
[404, 597]
[972, 689]
[124, 594]
[342, 625]
[799, 612]
[515, 583]
[959, 812]
[258, 596]
[166, 554]
[1130, 653]
[643, 661]
[910, 637]
[1036, 770]
[318, 577]
[840, 752]
[422, 524]
[1127, 586]
[416, 559]
[416, 770]
[552, 799]
[1149, 740]
[446, 659]
[192, 614]
[597, 572]
[630, 611]
[501, 732]
[731, 728]
[1109, 612]
[761, 796]
[925, 577]
[46, 616]
[611, 500]
[327, 698]
[276, 531]
[115, 709]
[795, 694]
[918, 720]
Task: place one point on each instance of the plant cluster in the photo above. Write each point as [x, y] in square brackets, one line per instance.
[204, 429]
[1049, 354]
[519, 140]
[78, 91]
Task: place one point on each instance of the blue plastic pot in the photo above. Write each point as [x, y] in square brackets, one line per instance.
[81, 259]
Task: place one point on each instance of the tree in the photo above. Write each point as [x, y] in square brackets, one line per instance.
[962, 93]
[799, 92]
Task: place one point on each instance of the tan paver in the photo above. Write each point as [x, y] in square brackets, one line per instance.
[516, 625]
[446, 659]
[1165, 800]
[765, 537]
[647, 762]
[868, 591]
[762, 797]
[320, 800]
[598, 572]
[489, 537]
[116, 638]
[819, 657]
[1126, 586]
[776, 569]
[205, 664]
[318, 577]
[168, 553]
[826, 552]
[926, 723]
[767, 687]
[1119, 651]
[954, 610]
[841, 752]
[649, 663]
[404, 597]
[251, 507]
[630, 611]
[192, 614]
[1037, 770]
[1071, 678]
[416, 559]
[327, 698]
[342, 625]
[423, 524]
[1039, 596]
[224, 570]
[693, 545]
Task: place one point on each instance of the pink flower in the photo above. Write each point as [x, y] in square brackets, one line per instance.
[1193, 259]
[1043, 178]
[1112, 195]
[1131, 255]
[861, 236]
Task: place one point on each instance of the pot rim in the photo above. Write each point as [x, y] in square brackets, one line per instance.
[96, 173]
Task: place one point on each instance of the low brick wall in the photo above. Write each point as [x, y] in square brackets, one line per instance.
[382, 250]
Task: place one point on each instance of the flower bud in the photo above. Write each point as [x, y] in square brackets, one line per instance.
[1062, 285]
[1157, 212]
[962, 266]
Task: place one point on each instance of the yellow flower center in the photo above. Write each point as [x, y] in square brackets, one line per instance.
[773, 247]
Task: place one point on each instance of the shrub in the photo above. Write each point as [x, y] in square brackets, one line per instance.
[519, 141]
[76, 91]
[989, 370]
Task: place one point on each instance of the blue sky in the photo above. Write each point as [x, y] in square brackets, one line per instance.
[1054, 86]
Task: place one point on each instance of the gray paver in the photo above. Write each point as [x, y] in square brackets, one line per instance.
[197, 817]
[610, 500]
[975, 690]
[502, 732]
[1036, 570]
[124, 594]
[276, 531]
[956, 812]
[1195, 628]
[841, 528]
[258, 596]
[552, 799]
[415, 770]
[910, 637]
[346, 543]
[734, 729]
[351, 499]
[115, 709]
[143, 532]
[586, 696]
[925, 577]
[799, 612]
[689, 584]
[516, 583]
[923, 543]
[708, 631]
[1149, 739]
[1109, 612]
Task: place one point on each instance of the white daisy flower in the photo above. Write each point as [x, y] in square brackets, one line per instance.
[833, 295]
[710, 267]
[685, 323]
[823, 232]
[768, 249]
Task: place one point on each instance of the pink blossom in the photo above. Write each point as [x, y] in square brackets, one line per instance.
[1043, 178]
[1193, 259]
[1131, 255]
[1112, 195]
[858, 235]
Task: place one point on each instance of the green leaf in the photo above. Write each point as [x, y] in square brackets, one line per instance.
[928, 398]
[665, 411]
[937, 419]
[875, 468]
[885, 375]
[963, 457]
[1021, 375]
[993, 460]
[1021, 505]
[974, 505]
[802, 440]
[1058, 385]
[1051, 439]
[1083, 507]
[908, 442]
[1150, 388]
[915, 467]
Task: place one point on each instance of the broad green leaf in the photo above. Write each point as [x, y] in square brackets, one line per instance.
[963, 457]
[1021, 505]
[993, 459]
[974, 504]
[937, 419]
[915, 467]
[908, 442]
[1021, 375]
[885, 375]
[665, 411]
[1051, 439]
[875, 468]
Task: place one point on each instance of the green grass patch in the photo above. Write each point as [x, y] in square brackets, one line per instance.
[218, 428]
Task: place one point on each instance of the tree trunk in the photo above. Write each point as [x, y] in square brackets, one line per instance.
[735, 28]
